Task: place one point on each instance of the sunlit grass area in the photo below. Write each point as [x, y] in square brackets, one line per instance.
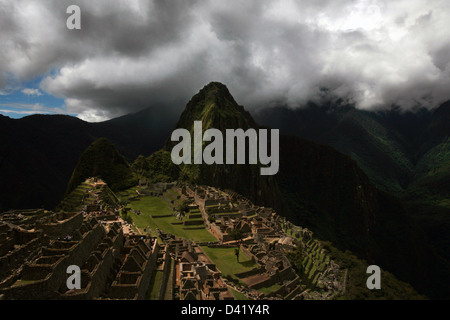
[226, 261]
[154, 206]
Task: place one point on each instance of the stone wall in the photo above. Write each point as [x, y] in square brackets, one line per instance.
[20, 246]
[42, 281]
[250, 255]
[250, 273]
[286, 274]
[98, 268]
[63, 228]
[193, 222]
[166, 274]
[138, 266]
[148, 271]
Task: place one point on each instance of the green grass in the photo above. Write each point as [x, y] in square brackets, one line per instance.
[135, 229]
[155, 286]
[168, 292]
[154, 206]
[23, 282]
[226, 261]
[231, 213]
[73, 201]
[238, 296]
[172, 194]
[126, 194]
[267, 290]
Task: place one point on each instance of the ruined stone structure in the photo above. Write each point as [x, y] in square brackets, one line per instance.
[267, 239]
[16, 246]
[36, 251]
[117, 262]
[196, 277]
[139, 261]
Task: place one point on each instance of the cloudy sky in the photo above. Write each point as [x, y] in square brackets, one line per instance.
[134, 54]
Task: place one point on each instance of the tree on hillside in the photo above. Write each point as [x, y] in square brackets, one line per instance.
[140, 165]
[296, 258]
[183, 208]
[237, 234]
[161, 168]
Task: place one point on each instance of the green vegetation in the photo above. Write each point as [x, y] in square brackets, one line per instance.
[362, 136]
[157, 168]
[155, 286]
[238, 296]
[356, 289]
[102, 160]
[152, 207]
[216, 108]
[127, 217]
[270, 289]
[225, 259]
[81, 196]
[183, 208]
[309, 262]
[433, 173]
[168, 293]
[434, 218]
[174, 196]
[296, 258]
[237, 234]
[74, 200]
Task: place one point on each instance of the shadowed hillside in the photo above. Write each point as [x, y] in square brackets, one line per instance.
[399, 151]
[102, 160]
[39, 153]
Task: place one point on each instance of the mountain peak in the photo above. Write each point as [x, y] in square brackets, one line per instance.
[215, 85]
[101, 159]
[216, 96]
[216, 90]
[216, 108]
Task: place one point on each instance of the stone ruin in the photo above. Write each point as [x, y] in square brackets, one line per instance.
[34, 262]
[196, 277]
[201, 281]
[267, 239]
[37, 246]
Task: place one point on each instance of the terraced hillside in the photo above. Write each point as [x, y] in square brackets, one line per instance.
[316, 264]
[89, 193]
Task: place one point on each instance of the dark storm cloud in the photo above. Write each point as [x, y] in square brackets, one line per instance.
[135, 54]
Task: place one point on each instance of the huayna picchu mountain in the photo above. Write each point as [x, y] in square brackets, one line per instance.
[216, 108]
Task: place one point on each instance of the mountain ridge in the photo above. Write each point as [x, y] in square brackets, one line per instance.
[40, 152]
[388, 145]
